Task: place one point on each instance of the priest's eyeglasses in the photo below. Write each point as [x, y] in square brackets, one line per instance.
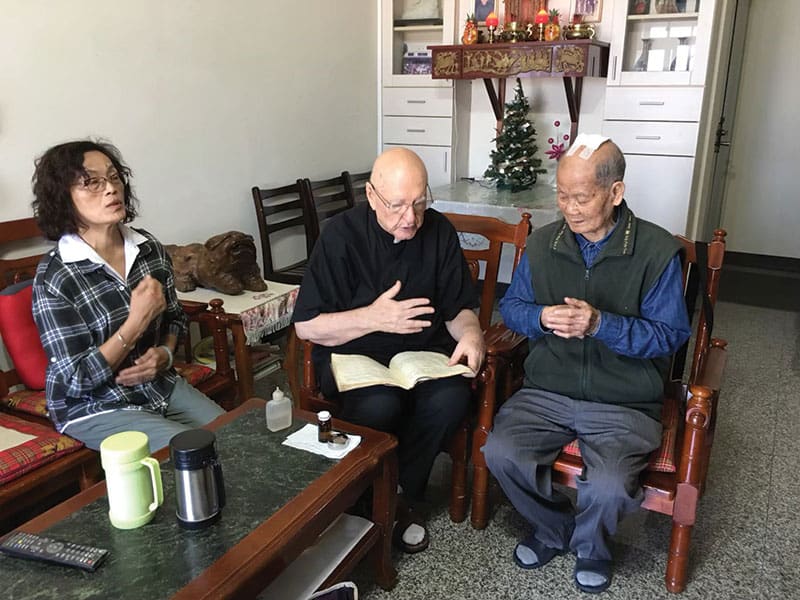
[98, 184]
[418, 206]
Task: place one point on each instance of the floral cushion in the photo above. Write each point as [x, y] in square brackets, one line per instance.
[662, 459]
[45, 446]
[193, 373]
[26, 401]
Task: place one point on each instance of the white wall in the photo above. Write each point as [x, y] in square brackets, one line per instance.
[205, 98]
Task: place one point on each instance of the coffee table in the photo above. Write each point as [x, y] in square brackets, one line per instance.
[279, 500]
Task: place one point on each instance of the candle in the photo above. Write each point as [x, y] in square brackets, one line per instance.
[492, 20]
[542, 17]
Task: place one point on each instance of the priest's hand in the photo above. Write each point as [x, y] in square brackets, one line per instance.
[399, 316]
[574, 318]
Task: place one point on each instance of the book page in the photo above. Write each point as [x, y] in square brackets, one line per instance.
[354, 371]
[412, 367]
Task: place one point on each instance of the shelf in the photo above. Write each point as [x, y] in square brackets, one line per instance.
[663, 16]
[419, 28]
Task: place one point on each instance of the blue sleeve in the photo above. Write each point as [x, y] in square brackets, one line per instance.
[663, 326]
[518, 307]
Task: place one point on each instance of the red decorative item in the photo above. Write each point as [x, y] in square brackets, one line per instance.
[492, 20]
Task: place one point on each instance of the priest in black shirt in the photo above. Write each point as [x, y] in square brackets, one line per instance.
[385, 277]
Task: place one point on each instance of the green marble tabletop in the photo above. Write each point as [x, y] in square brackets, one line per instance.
[157, 559]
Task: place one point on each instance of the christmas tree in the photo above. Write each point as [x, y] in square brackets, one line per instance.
[514, 163]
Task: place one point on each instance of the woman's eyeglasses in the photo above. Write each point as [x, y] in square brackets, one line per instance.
[98, 184]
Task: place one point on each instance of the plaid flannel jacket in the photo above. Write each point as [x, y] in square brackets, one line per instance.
[77, 306]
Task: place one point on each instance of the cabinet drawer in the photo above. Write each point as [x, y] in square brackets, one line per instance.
[427, 102]
[438, 162]
[673, 139]
[427, 131]
[654, 104]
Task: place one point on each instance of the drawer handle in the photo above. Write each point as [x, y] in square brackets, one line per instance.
[416, 101]
[415, 131]
[648, 137]
[651, 103]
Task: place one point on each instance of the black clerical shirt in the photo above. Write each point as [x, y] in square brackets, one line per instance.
[355, 260]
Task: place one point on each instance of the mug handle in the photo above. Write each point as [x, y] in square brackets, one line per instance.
[155, 476]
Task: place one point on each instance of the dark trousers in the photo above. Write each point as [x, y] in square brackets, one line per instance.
[423, 419]
[615, 442]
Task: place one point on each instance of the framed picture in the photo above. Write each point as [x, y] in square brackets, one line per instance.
[592, 10]
[483, 8]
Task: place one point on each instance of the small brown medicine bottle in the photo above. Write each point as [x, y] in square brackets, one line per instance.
[324, 425]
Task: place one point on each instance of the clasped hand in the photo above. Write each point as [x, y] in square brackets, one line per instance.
[147, 302]
[145, 368]
[574, 318]
[400, 316]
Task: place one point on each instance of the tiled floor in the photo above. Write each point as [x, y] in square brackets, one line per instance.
[744, 544]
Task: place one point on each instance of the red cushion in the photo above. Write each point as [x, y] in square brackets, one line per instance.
[662, 459]
[32, 402]
[193, 373]
[21, 337]
[27, 456]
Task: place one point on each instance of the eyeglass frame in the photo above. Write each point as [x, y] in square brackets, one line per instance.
[100, 183]
[400, 209]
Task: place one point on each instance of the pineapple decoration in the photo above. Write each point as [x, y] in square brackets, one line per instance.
[470, 35]
[552, 30]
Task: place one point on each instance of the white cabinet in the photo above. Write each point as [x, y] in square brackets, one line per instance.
[657, 189]
[654, 100]
[660, 42]
[417, 111]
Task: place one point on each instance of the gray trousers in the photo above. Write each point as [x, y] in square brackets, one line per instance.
[529, 431]
[188, 409]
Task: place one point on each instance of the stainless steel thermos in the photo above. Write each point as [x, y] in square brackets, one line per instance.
[199, 486]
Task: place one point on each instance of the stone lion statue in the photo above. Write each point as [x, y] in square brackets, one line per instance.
[226, 263]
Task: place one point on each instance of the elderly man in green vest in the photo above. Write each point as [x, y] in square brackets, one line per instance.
[599, 296]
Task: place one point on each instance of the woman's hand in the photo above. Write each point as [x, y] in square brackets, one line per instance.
[147, 302]
[145, 368]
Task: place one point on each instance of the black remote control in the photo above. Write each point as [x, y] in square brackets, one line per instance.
[38, 547]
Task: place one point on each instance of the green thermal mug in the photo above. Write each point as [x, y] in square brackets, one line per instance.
[133, 479]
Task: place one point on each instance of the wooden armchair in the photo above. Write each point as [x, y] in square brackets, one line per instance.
[501, 345]
[675, 478]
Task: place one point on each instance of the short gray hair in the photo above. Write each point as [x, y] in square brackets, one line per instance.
[612, 168]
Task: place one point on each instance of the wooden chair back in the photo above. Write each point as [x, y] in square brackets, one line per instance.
[279, 209]
[487, 251]
[18, 236]
[356, 185]
[324, 199]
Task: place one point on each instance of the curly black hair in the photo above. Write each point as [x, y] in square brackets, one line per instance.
[56, 172]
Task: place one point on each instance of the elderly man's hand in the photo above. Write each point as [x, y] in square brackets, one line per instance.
[399, 316]
[574, 318]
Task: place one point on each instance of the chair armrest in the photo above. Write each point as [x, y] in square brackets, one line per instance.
[501, 341]
[713, 366]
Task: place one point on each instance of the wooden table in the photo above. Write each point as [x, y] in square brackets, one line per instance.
[250, 316]
[279, 500]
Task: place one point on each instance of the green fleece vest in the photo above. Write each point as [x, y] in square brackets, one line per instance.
[628, 266]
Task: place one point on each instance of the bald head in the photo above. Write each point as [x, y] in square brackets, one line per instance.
[607, 161]
[398, 166]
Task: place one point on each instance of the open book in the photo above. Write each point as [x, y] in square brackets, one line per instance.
[405, 370]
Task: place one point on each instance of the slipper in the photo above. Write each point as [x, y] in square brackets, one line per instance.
[407, 516]
[544, 554]
[599, 570]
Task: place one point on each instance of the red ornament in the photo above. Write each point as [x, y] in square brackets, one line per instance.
[492, 20]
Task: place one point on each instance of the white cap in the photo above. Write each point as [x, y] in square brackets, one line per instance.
[277, 394]
[323, 415]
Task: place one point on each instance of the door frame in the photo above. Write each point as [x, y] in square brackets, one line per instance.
[725, 56]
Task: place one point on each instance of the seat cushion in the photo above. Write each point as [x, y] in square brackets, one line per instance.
[32, 402]
[662, 459]
[193, 373]
[21, 336]
[25, 446]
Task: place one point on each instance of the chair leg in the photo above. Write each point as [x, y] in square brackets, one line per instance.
[486, 409]
[678, 559]
[458, 484]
